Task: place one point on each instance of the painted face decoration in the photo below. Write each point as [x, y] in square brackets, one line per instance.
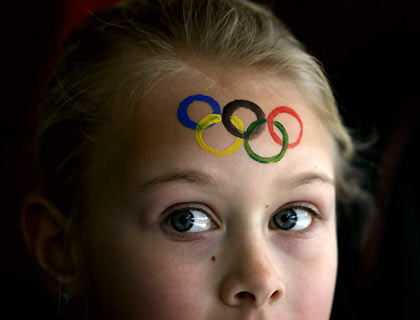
[235, 126]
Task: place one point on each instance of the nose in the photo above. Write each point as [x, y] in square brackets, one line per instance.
[252, 281]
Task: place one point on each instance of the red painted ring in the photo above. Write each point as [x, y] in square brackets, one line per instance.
[270, 125]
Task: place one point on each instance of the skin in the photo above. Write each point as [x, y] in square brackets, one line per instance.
[139, 267]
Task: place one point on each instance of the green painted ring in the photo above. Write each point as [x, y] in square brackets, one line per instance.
[257, 157]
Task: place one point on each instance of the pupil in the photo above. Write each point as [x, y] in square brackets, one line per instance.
[286, 219]
[182, 221]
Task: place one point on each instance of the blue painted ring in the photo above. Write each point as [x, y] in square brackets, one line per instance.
[183, 109]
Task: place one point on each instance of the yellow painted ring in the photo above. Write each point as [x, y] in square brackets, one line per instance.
[206, 122]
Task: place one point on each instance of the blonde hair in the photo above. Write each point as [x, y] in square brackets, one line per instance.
[118, 55]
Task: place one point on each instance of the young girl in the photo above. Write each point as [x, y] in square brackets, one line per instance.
[190, 156]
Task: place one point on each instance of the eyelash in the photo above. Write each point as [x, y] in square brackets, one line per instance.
[191, 236]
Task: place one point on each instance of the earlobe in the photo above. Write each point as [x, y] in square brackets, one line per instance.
[44, 229]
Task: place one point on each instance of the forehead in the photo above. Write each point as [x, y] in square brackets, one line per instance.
[158, 143]
[160, 137]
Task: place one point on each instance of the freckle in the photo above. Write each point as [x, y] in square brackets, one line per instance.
[213, 258]
[267, 205]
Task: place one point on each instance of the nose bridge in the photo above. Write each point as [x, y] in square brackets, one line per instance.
[253, 277]
[253, 258]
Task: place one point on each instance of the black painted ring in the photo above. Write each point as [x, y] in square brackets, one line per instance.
[231, 107]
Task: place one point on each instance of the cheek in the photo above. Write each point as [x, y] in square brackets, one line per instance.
[315, 286]
[136, 281]
[169, 291]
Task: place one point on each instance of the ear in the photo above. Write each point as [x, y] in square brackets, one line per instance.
[45, 233]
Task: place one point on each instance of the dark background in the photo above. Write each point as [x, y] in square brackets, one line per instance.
[370, 52]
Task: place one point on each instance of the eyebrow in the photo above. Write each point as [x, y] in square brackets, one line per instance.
[202, 178]
[309, 177]
[190, 176]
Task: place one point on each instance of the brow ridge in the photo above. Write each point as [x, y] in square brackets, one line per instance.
[310, 177]
[191, 176]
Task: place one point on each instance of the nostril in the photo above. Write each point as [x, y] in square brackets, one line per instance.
[245, 295]
[275, 296]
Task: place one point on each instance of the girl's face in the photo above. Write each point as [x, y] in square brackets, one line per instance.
[178, 232]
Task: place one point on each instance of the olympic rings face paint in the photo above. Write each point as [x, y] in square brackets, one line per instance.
[255, 156]
[235, 126]
[183, 108]
[231, 107]
[270, 120]
[212, 119]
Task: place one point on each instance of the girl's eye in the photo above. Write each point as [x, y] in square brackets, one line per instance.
[293, 219]
[190, 220]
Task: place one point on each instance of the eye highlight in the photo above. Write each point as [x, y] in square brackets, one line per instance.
[294, 218]
[189, 220]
